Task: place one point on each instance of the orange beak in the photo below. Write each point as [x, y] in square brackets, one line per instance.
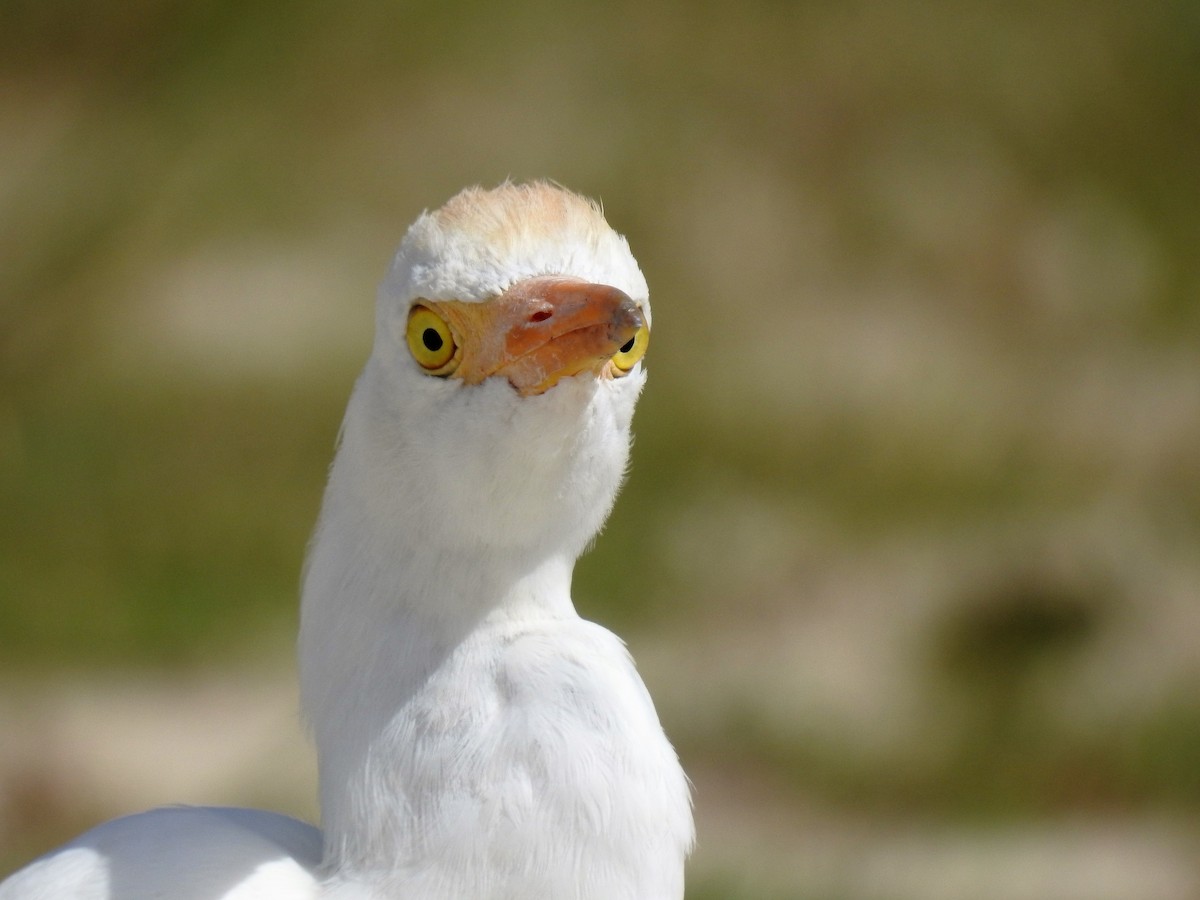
[541, 330]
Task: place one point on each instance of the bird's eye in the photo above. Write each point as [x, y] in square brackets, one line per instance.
[431, 342]
[626, 358]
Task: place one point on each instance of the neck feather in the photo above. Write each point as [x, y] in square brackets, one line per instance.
[384, 603]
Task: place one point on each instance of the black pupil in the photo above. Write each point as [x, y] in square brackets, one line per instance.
[626, 347]
[431, 339]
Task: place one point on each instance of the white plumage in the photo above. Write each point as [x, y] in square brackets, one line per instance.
[476, 738]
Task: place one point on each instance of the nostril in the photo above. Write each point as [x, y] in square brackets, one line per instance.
[541, 315]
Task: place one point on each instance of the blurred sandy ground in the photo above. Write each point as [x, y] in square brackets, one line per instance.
[909, 555]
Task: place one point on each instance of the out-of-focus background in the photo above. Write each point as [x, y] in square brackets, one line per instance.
[910, 554]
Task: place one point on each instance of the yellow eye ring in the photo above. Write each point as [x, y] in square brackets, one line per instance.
[431, 342]
[629, 354]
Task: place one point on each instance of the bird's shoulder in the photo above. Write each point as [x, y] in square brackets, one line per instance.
[181, 852]
[571, 669]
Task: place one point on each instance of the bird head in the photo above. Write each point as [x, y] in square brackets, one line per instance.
[510, 331]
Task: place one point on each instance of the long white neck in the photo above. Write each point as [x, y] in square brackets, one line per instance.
[386, 598]
[467, 720]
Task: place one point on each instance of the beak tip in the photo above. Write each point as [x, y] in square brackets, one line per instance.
[629, 317]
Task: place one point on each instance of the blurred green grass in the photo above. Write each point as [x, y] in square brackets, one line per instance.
[925, 284]
[151, 529]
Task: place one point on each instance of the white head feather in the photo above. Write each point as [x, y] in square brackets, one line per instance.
[482, 241]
